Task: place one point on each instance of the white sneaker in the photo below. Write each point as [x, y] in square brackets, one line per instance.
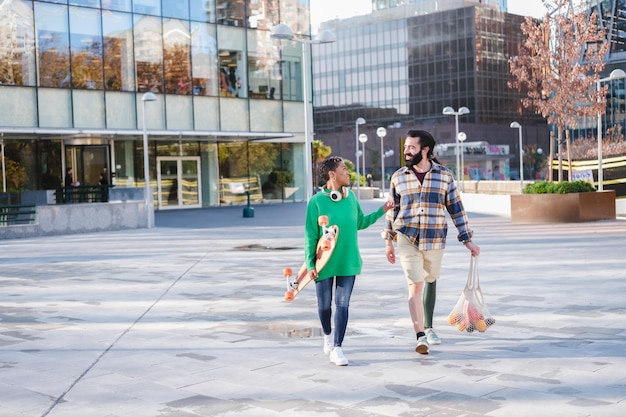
[328, 343]
[422, 345]
[337, 357]
[432, 337]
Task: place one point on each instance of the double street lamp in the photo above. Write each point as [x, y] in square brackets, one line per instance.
[449, 111]
[615, 75]
[282, 31]
[363, 139]
[359, 121]
[516, 125]
[147, 194]
[462, 137]
[381, 132]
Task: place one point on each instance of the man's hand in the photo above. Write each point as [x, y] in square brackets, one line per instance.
[473, 248]
[313, 274]
[391, 254]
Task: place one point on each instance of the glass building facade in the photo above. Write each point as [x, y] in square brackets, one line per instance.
[407, 69]
[400, 66]
[228, 118]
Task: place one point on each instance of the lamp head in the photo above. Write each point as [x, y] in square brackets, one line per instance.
[149, 96]
[362, 138]
[515, 125]
[462, 136]
[449, 111]
[360, 121]
[464, 110]
[381, 132]
[617, 73]
[282, 31]
[325, 36]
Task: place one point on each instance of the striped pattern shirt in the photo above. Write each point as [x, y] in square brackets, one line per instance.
[420, 208]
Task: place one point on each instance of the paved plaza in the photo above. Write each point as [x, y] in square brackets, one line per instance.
[188, 319]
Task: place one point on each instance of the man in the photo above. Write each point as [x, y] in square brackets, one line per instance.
[69, 183]
[421, 191]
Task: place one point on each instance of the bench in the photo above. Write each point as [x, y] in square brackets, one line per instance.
[17, 214]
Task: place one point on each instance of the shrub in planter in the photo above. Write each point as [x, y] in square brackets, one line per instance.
[575, 201]
[546, 187]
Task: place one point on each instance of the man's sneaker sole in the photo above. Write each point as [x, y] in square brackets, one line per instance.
[423, 349]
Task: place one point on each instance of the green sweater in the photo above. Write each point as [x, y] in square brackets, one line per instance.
[348, 216]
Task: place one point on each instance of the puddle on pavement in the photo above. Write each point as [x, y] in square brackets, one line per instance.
[255, 246]
[302, 333]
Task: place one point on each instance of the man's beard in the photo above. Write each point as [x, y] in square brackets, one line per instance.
[416, 159]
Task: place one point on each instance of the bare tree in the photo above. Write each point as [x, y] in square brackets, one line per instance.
[558, 64]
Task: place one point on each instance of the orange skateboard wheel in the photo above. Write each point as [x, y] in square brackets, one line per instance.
[288, 296]
[322, 220]
[287, 272]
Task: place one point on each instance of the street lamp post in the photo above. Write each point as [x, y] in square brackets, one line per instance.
[461, 137]
[449, 111]
[382, 132]
[359, 121]
[615, 75]
[148, 198]
[363, 139]
[516, 125]
[4, 169]
[282, 31]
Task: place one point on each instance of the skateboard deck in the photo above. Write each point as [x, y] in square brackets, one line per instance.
[323, 252]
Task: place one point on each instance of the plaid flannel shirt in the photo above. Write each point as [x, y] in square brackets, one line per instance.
[420, 208]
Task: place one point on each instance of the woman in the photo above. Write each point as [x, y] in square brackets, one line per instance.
[342, 208]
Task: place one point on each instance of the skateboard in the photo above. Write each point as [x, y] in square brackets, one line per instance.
[323, 252]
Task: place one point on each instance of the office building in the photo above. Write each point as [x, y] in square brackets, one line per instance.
[401, 65]
[228, 116]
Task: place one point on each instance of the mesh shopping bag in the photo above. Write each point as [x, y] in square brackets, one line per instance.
[470, 312]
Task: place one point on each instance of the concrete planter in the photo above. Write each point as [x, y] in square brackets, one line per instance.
[563, 208]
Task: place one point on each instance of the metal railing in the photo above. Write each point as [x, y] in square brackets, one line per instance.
[83, 194]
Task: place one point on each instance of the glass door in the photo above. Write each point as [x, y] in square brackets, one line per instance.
[87, 162]
[178, 182]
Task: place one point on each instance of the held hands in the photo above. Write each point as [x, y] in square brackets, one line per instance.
[389, 204]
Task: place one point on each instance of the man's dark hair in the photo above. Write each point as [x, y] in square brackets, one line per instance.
[426, 139]
[329, 164]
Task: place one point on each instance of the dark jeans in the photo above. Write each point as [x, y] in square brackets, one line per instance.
[343, 291]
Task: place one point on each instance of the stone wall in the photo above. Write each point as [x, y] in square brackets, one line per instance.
[80, 218]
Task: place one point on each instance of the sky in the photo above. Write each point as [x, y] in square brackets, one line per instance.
[323, 10]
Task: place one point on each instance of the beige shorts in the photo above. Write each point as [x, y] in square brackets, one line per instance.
[418, 265]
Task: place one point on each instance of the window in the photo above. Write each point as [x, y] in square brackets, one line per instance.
[17, 45]
[176, 50]
[118, 52]
[148, 54]
[204, 59]
[86, 48]
[53, 45]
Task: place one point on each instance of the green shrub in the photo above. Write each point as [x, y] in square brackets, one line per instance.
[565, 187]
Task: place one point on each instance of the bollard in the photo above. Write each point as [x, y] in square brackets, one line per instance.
[248, 211]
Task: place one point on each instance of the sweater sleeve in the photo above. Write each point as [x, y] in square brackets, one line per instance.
[366, 221]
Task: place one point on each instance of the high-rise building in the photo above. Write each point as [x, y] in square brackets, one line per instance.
[228, 116]
[400, 66]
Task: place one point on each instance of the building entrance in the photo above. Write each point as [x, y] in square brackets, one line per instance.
[88, 162]
[178, 182]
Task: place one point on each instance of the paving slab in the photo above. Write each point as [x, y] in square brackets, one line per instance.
[188, 319]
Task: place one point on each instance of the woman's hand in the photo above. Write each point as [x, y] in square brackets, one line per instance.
[389, 204]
